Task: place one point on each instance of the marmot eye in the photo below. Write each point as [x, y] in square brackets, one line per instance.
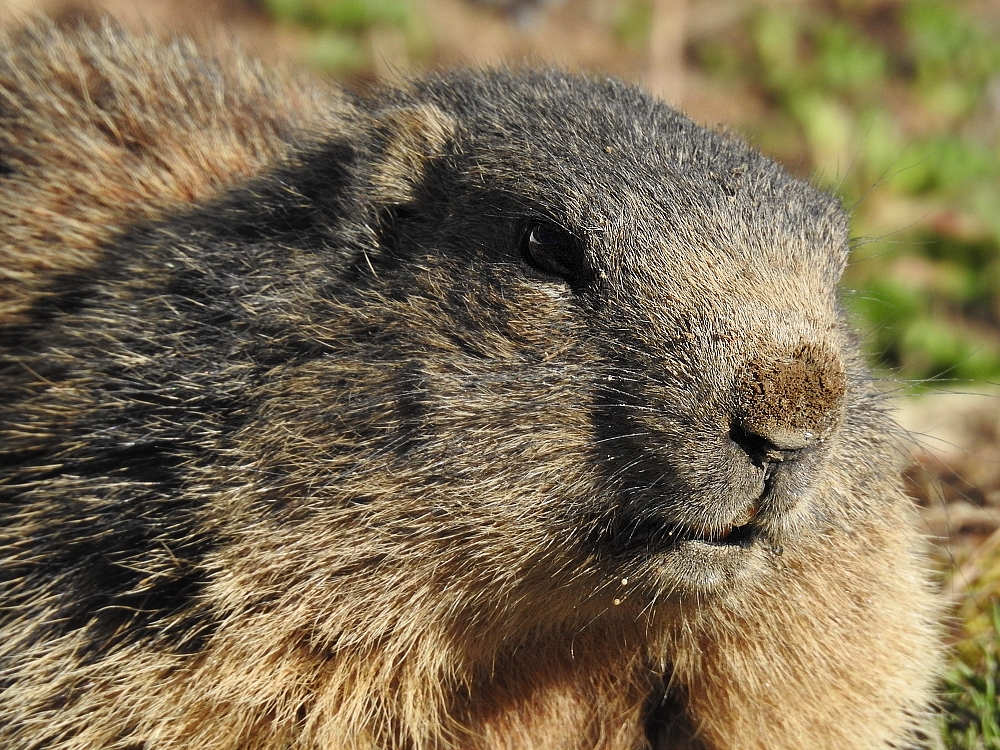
[553, 250]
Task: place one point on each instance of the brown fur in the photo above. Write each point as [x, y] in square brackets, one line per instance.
[386, 491]
[83, 128]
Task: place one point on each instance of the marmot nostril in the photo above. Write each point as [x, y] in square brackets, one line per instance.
[764, 450]
[788, 403]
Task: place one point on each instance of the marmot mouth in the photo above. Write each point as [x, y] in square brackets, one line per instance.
[729, 536]
[652, 536]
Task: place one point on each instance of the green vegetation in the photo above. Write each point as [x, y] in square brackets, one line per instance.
[971, 716]
[632, 22]
[895, 107]
[338, 33]
[355, 15]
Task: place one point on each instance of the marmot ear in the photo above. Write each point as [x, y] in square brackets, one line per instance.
[410, 138]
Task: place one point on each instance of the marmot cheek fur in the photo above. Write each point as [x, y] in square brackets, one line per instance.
[501, 410]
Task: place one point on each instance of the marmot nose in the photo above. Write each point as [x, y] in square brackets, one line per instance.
[787, 403]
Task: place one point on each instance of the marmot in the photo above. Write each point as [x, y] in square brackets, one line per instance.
[494, 410]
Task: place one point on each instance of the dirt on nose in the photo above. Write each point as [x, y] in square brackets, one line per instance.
[794, 399]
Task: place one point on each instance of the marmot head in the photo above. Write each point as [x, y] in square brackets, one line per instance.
[581, 340]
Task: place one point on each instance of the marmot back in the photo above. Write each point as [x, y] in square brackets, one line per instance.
[501, 410]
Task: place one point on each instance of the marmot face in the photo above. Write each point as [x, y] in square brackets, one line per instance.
[648, 331]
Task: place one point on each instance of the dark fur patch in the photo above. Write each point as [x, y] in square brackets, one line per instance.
[665, 722]
[126, 562]
[65, 294]
[122, 550]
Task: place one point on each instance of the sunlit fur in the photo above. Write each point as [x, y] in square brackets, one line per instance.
[298, 451]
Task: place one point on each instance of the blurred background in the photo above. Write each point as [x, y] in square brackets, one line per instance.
[894, 105]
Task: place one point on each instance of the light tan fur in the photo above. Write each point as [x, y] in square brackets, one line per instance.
[101, 131]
